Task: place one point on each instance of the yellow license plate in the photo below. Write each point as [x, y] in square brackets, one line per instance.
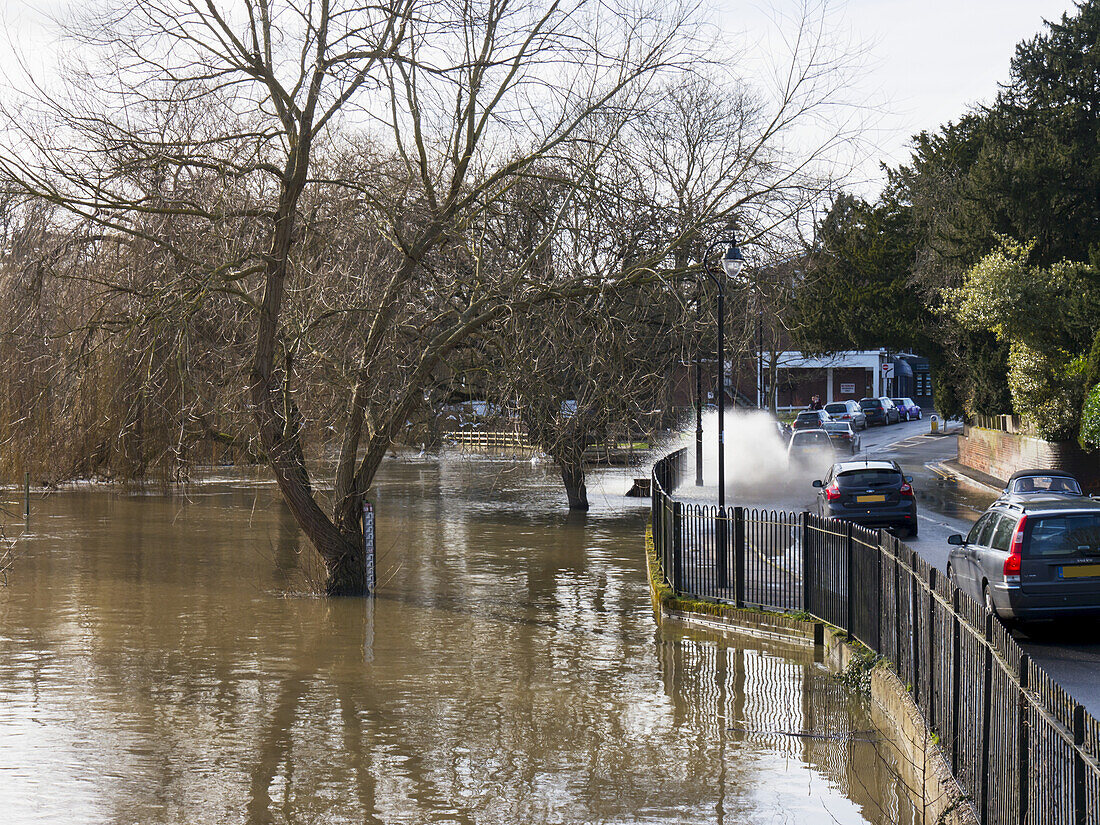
[1080, 571]
[863, 499]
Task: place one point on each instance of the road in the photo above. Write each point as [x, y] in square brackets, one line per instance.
[946, 504]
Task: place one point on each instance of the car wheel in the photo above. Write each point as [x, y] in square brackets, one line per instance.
[987, 600]
[951, 575]
[920, 415]
[913, 531]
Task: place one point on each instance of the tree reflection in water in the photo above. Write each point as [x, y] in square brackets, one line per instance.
[509, 671]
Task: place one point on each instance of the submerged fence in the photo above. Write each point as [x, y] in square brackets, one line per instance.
[1019, 745]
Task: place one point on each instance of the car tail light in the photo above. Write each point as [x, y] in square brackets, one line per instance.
[832, 492]
[906, 490]
[1015, 553]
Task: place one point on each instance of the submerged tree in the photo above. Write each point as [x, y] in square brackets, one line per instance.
[320, 184]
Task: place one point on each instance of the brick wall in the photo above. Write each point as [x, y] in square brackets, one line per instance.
[1000, 454]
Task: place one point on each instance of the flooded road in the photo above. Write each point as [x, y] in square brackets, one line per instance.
[160, 662]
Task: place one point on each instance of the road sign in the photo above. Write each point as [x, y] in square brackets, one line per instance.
[887, 370]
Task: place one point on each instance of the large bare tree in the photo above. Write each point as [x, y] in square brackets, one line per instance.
[331, 180]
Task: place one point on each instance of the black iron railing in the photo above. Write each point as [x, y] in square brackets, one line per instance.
[1020, 746]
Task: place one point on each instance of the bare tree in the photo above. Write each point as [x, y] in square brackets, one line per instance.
[323, 185]
[460, 100]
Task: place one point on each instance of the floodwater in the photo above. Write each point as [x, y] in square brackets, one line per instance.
[161, 663]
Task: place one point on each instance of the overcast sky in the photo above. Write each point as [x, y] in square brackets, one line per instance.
[926, 61]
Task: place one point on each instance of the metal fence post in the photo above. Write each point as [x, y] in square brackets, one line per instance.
[677, 548]
[897, 610]
[914, 628]
[878, 598]
[987, 710]
[739, 556]
[1079, 800]
[721, 548]
[931, 711]
[807, 559]
[850, 561]
[956, 665]
[1022, 739]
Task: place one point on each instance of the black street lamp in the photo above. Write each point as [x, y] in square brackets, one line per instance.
[698, 421]
[732, 262]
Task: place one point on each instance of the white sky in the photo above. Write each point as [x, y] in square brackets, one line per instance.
[926, 61]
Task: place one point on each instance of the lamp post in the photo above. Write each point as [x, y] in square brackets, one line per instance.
[732, 262]
[698, 421]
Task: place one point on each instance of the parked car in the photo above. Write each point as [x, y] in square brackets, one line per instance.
[1042, 482]
[810, 446]
[810, 420]
[908, 410]
[1033, 556]
[847, 411]
[879, 410]
[871, 493]
[843, 436]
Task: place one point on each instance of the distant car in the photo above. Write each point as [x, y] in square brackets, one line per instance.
[908, 410]
[1042, 482]
[1035, 556]
[783, 430]
[871, 493]
[879, 411]
[810, 420]
[847, 411]
[844, 438]
[810, 446]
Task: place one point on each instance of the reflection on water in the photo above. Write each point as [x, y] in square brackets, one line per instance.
[155, 666]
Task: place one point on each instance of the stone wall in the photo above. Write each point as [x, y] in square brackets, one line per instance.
[1000, 454]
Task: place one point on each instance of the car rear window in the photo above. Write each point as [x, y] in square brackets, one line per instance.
[870, 404]
[836, 426]
[1069, 535]
[1046, 484]
[811, 437]
[1002, 533]
[836, 408]
[869, 477]
[807, 416]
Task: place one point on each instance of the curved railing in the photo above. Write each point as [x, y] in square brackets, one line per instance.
[1020, 746]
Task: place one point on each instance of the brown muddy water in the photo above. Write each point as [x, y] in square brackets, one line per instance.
[159, 664]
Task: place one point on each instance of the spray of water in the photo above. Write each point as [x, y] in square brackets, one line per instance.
[758, 472]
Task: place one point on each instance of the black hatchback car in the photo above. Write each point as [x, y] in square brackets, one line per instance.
[879, 411]
[1032, 556]
[810, 420]
[871, 493]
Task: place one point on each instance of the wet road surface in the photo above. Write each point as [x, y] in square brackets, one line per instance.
[946, 503]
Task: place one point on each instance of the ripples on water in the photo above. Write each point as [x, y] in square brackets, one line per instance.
[154, 669]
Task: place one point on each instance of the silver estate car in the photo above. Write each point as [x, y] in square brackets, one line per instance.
[1035, 556]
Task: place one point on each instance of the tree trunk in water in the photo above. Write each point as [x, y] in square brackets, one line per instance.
[572, 473]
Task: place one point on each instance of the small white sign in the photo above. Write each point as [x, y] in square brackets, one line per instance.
[887, 370]
[847, 389]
